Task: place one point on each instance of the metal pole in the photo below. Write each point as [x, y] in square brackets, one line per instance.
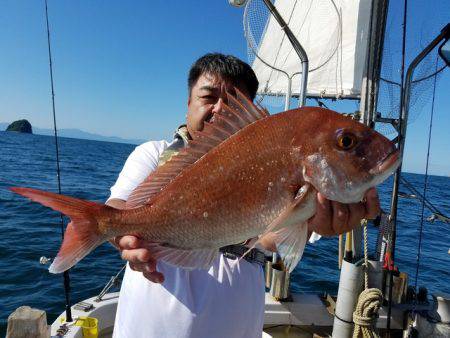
[298, 49]
[445, 34]
[287, 102]
[304, 83]
[370, 85]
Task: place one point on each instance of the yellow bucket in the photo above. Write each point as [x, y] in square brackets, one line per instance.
[89, 325]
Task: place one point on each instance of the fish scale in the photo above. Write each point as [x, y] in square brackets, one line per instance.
[220, 223]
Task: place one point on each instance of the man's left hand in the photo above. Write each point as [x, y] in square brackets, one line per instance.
[333, 218]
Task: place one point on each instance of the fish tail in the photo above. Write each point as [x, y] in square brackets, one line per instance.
[82, 233]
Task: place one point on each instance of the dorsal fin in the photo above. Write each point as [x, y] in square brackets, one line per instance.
[237, 114]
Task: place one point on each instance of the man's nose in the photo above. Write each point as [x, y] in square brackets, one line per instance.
[218, 106]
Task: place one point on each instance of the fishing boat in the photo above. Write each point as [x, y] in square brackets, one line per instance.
[328, 52]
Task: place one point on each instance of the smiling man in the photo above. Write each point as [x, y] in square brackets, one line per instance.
[159, 300]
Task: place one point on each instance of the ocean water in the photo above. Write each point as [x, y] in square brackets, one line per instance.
[89, 168]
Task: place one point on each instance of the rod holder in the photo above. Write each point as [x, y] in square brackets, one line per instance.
[279, 286]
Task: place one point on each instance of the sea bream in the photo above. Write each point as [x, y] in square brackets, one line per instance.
[245, 174]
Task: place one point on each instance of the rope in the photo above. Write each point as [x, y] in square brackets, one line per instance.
[366, 259]
[369, 301]
[366, 313]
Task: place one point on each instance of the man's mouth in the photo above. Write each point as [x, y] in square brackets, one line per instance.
[210, 118]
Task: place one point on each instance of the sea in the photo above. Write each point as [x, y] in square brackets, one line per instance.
[89, 168]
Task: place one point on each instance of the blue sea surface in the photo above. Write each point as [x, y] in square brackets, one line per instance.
[89, 168]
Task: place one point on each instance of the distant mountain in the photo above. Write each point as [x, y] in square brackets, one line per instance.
[76, 133]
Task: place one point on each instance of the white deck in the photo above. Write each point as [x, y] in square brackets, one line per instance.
[306, 310]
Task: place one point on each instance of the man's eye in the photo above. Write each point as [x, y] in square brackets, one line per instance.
[209, 97]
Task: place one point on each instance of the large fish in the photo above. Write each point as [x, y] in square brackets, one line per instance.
[246, 174]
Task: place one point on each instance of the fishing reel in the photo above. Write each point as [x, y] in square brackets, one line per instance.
[45, 260]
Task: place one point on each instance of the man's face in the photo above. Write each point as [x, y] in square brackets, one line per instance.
[207, 98]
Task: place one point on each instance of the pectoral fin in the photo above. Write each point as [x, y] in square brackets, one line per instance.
[290, 227]
[187, 259]
[301, 209]
[290, 243]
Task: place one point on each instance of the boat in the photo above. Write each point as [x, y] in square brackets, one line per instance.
[346, 65]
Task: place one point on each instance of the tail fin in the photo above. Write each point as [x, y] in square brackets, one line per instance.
[82, 234]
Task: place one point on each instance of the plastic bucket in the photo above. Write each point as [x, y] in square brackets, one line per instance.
[89, 326]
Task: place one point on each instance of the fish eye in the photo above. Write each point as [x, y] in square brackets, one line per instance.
[346, 141]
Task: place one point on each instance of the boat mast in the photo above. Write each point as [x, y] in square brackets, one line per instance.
[370, 82]
[351, 273]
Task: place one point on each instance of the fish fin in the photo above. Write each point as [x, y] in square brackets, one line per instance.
[82, 234]
[79, 240]
[301, 209]
[185, 258]
[160, 178]
[244, 105]
[239, 113]
[264, 109]
[290, 227]
[290, 243]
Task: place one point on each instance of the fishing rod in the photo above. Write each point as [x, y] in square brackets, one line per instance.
[437, 214]
[403, 122]
[58, 172]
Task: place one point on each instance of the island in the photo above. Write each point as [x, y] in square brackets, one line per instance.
[20, 126]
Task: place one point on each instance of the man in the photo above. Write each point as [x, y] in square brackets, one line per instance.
[158, 300]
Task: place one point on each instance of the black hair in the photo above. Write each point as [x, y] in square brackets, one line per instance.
[227, 67]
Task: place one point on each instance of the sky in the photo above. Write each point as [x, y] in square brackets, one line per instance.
[120, 68]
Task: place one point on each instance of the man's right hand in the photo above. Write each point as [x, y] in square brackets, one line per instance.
[133, 250]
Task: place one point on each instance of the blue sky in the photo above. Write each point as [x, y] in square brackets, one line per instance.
[120, 68]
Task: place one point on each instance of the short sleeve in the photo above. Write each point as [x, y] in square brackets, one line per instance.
[141, 162]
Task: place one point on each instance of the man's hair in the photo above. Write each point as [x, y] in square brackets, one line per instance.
[228, 67]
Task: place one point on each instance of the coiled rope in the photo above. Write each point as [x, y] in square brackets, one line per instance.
[369, 302]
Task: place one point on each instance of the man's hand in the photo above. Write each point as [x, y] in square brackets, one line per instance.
[139, 257]
[334, 218]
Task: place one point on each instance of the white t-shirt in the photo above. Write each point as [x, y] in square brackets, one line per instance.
[225, 301]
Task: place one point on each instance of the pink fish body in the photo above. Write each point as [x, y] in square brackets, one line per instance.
[245, 174]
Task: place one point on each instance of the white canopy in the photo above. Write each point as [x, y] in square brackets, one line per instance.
[334, 35]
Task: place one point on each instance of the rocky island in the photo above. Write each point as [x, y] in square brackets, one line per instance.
[20, 126]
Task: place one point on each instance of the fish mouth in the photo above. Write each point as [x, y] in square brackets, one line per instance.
[388, 164]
